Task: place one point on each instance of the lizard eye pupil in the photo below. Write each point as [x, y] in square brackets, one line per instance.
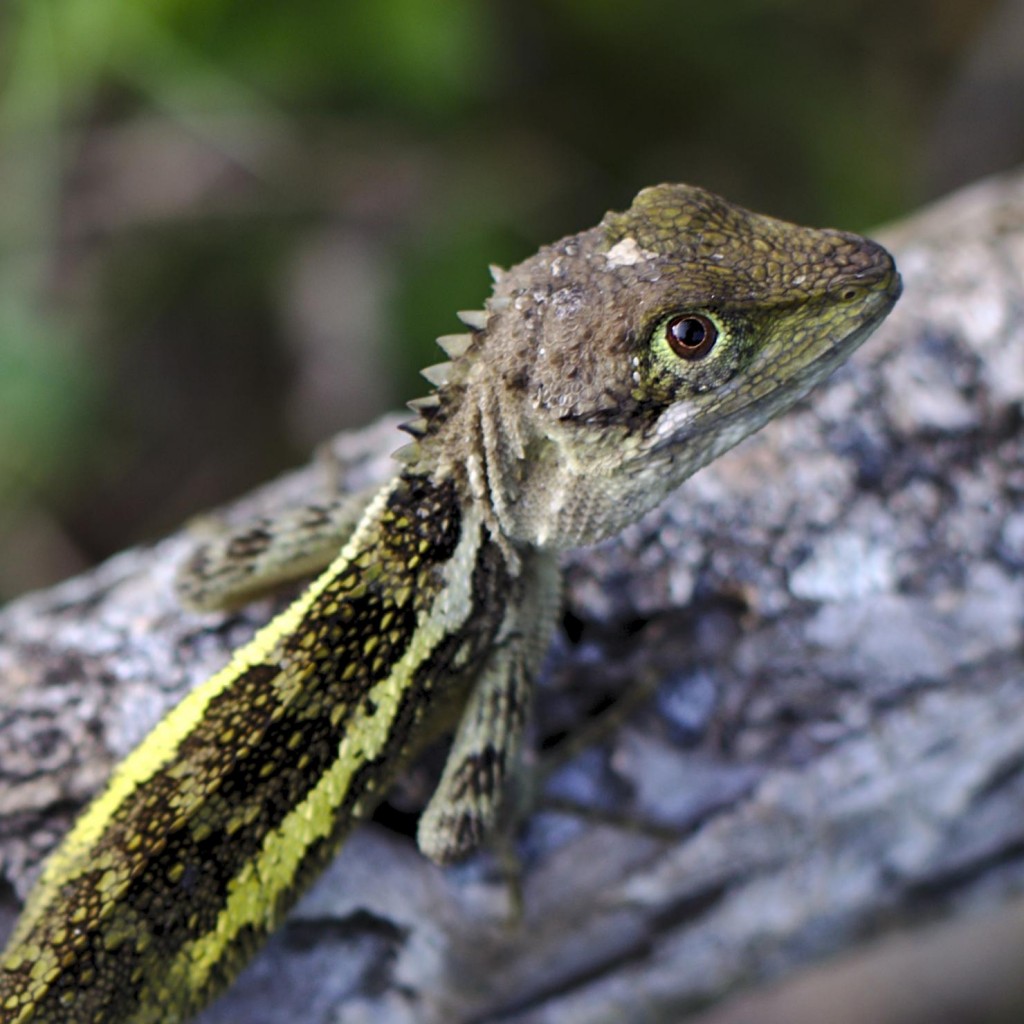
[691, 336]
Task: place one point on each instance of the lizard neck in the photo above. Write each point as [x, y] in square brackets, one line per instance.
[533, 491]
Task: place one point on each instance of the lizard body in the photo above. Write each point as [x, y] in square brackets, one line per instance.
[605, 370]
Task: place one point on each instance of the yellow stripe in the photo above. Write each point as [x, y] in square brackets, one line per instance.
[254, 892]
[160, 747]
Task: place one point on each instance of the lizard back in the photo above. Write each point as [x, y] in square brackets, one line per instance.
[176, 874]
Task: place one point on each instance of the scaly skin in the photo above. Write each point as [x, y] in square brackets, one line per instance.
[606, 369]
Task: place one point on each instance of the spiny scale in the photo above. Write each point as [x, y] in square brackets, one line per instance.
[439, 374]
[455, 345]
[426, 404]
[415, 428]
[475, 318]
[407, 454]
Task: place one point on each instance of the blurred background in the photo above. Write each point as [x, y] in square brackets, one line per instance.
[228, 229]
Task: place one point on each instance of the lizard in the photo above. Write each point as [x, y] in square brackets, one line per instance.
[602, 372]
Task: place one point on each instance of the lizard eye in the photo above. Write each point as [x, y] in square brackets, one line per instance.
[691, 336]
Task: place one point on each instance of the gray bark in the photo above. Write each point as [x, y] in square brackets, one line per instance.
[832, 615]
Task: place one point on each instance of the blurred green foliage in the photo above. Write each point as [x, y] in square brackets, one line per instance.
[227, 228]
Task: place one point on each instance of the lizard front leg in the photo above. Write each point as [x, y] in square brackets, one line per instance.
[467, 804]
[236, 565]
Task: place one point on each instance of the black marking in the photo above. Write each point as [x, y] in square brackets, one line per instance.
[414, 428]
[480, 774]
[253, 542]
[519, 379]
[433, 515]
[315, 515]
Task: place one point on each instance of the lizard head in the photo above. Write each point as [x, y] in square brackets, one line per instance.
[615, 363]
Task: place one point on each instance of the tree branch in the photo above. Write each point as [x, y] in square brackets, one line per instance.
[832, 615]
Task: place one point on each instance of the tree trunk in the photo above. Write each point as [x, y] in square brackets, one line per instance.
[827, 623]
